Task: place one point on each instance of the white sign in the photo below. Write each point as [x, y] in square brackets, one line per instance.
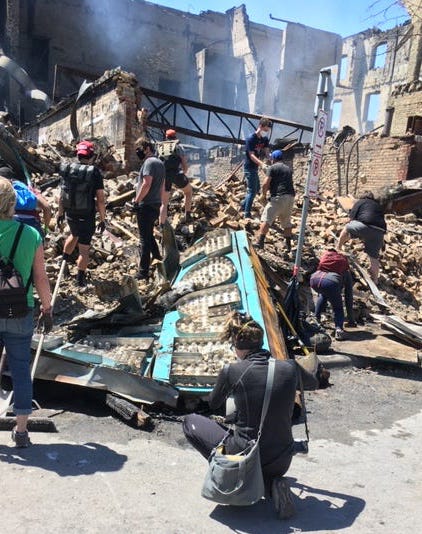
[317, 149]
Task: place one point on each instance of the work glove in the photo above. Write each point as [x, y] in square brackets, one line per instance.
[45, 322]
[60, 221]
[101, 227]
[134, 207]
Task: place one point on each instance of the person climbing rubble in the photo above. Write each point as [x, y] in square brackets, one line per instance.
[81, 195]
[279, 183]
[367, 222]
[331, 277]
[172, 155]
[256, 147]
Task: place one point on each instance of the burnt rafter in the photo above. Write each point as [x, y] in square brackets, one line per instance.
[201, 120]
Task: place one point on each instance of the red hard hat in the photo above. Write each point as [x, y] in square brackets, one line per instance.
[170, 133]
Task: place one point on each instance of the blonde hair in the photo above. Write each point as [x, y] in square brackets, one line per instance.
[7, 199]
[243, 331]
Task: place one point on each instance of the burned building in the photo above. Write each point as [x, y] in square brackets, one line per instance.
[222, 59]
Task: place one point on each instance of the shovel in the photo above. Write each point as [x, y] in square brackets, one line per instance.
[6, 396]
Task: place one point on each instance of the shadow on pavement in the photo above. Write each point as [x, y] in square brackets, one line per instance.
[65, 459]
[316, 510]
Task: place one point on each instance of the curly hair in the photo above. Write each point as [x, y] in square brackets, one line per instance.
[243, 331]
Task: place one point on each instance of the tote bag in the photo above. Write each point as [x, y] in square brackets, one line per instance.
[236, 479]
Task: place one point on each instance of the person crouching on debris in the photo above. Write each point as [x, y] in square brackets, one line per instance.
[29, 203]
[282, 194]
[245, 380]
[256, 148]
[367, 222]
[172, 155]
[81, 195]
[21, 246]
[332, 275]
[147, 203]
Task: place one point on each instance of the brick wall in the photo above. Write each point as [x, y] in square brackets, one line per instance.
[108, 110]
[374, 162]
[406, 100]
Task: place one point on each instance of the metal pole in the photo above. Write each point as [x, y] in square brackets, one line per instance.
[320, 103]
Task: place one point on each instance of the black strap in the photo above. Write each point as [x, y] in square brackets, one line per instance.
[13, 252]
[15, 242]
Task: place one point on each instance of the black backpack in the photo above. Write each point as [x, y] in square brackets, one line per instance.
[13, 302]
[77, 188]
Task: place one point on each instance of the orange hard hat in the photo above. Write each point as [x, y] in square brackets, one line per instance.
[170, 133]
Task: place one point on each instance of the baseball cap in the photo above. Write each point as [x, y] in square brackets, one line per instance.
[277, 154]
[85, 148]
[7, 172]
[170, 133]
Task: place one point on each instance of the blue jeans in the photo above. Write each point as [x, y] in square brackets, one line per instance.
[15, 336]
[330, 291]
[252, 184]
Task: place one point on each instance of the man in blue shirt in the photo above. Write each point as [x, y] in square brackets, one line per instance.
[256, 148]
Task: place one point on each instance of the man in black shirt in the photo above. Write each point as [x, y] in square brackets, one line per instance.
[280, 184]
[81, 195]
[367, 222]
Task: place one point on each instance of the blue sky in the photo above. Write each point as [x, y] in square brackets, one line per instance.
[345, 17]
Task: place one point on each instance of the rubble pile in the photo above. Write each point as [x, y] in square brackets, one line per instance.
[216, 204]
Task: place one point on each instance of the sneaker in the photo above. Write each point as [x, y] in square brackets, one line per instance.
[21, 439]
[340, 334]
[282, 497]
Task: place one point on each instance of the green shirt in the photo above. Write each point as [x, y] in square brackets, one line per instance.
[29, 241]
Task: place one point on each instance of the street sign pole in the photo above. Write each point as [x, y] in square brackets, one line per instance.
[321, 111]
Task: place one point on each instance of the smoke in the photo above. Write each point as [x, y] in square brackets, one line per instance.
[119, 29]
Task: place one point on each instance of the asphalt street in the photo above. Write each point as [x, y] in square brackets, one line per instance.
[362, 473]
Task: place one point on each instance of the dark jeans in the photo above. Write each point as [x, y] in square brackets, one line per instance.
[252, 183]
[330, 291]
[204, 434]
[147, 215]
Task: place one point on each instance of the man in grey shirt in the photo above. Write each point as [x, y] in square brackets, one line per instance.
[149, 194]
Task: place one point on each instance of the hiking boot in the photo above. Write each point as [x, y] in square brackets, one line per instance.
[282, 498]
[288, 244]
[260, 243]
[81, 279]
[187, 217]
[340, 334]
[21, 439]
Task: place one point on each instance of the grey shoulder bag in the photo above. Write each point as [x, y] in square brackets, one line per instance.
[236, 479]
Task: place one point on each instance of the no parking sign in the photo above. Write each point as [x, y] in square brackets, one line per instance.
[317, 149]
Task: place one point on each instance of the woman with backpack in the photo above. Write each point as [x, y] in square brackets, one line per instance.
[332, 275]
[22, 263]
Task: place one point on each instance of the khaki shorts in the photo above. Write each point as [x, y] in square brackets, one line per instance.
[280, 207]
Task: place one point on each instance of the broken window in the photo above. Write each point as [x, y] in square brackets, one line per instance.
[379, 57]
[343, 68]
[414, 125]
[336, 115]
[372, 110]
